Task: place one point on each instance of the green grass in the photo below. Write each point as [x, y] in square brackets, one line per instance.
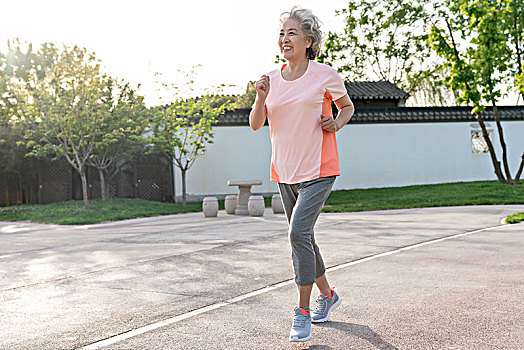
[515, 218]
[73, 213]
[115, 209]
[451, 194]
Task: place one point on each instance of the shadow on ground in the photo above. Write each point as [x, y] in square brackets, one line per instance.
[356, 330]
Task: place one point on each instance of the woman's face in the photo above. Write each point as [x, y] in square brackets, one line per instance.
[293, 41]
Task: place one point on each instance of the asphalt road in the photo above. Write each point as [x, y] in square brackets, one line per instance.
[434, 278]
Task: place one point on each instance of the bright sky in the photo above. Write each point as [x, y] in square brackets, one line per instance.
[235, 41]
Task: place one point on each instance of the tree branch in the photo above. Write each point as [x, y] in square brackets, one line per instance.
[494, 160]
[519, 172]
[502, 143]
[455, 50]
[517, 47]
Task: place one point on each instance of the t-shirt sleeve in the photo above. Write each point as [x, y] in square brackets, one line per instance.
[334, 84]
[273, 74]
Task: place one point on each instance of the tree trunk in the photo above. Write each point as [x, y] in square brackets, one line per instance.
[519, 172]
[6, 187]
[184, 195]
[173, 174]
[494, 160]
[102, 184]
[20, 199]
[502, 144]
[84, 189]
[111, 173]
[108, 190]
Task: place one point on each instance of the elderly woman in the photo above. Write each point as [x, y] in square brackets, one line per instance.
[296, 99]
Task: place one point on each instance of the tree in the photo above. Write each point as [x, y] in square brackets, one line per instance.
[4, 109]
[519, 82]
[16, 65]
[182, 130]
[182, 127]
[120, 131]
[246, 99]
[474, 38]
[516, 40]
[15, 170]
[386, 40]
[66, 107]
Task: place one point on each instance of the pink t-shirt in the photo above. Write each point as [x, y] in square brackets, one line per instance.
[301, 149]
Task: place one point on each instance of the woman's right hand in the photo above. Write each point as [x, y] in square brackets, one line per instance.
[262, 87]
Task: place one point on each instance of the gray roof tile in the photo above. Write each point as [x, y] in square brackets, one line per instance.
[240, 117]
[374, 90]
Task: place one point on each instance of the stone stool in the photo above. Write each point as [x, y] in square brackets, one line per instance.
[231, 203]
[244, 187]
[276, 204]
[256, 206]
[210, 207]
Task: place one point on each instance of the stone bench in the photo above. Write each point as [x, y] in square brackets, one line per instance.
[244, 187]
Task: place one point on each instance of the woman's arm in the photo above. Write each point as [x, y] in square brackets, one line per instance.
[345, 112]
[257, 117]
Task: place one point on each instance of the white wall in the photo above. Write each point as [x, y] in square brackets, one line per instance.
[238, 153]
[371, 155]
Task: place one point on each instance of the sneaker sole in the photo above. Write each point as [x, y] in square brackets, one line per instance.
[333, 307]
[300, 339]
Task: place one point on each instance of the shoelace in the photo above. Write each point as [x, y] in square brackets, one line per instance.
[299, 320]
[321, 304]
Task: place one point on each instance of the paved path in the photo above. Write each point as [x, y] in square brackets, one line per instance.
[435, 278]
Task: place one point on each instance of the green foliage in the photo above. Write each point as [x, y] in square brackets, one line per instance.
[246, 99]
[182, 129]
[4, 101]
[120, 133]
[481, 44]
[279, 60]
[62, 104]
[519, 81]
[121, 128]
[473, 38]
[515, 218]
[66, 105]
[516, 39]
[386, 40]
[58, 103]
[15, 67]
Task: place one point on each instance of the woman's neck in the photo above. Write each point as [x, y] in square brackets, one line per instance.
[295, 69]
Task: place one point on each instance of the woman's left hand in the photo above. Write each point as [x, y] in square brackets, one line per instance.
[328, 124]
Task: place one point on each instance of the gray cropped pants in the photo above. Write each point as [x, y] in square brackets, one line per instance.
[303, 203]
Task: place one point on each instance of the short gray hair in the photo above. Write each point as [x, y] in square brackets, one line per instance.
[310, 24]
